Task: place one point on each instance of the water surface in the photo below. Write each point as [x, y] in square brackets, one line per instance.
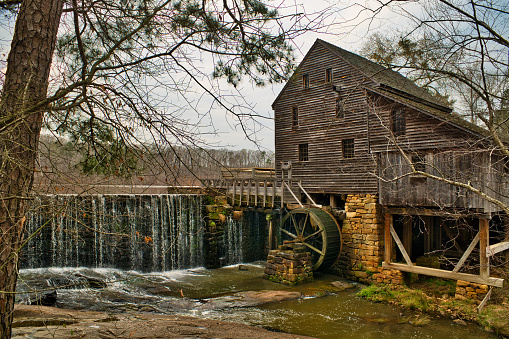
[187, 292]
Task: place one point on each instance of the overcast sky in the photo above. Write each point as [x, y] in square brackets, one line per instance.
[229, 134]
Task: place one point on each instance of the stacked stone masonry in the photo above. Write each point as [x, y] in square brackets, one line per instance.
[465, 289]
[290, 264]
[363, 238]
[388, 276]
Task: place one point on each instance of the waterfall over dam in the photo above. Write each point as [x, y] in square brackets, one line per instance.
[145, 233]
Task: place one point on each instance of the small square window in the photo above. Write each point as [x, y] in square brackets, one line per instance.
[303, 152]
[398, 122]
[328, 75]
[305, 81]
[295, 116]
[348, 148]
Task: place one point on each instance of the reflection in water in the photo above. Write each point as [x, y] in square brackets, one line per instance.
[340, 315]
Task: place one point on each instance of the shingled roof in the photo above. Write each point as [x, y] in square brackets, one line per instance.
[385, 77]
[395, 86]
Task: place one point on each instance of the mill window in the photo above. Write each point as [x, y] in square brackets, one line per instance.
[305, 81]
[398, 122]
[303, 152]
[295, 116]
[328, 75]
[348, 148]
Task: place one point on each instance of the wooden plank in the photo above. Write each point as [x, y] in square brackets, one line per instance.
[429, 212]
[271, 234]
[274, 194]
[466, 254]
[483, 244]
[241, 192]
[256, 192]
[434, 272]
[234, 184]
[485, 300]
[248, 200]
[293, 195]
[401, 247]
[307, 195]
[388, 238]
[497, 248]
[264, 193]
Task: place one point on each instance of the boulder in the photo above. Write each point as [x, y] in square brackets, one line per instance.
[45, 299]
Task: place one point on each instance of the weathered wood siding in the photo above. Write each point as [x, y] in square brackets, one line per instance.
[483, 170]
[326, 171]
[367, 120]
[422, 130]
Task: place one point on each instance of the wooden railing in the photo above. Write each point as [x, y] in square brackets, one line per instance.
[248, 192]
[253, 192]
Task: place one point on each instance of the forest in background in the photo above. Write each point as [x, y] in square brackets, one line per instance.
[62, 168]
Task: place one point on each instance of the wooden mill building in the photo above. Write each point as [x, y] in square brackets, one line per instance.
[360, 138]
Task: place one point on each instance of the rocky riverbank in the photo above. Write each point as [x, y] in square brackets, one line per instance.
[48, 322]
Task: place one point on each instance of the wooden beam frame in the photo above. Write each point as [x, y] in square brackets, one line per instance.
[481, 237]
[484, 270]
[497, 248]
[401, 247]
[434, 272]
[466, 254]
[433, 212]
[388, 238]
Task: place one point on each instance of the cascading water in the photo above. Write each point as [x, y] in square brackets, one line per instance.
[133, 232]
[244, 240]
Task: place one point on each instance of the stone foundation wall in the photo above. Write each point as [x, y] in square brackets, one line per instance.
[290, 264]
[363, 238]
[388, 276]
[465, 289]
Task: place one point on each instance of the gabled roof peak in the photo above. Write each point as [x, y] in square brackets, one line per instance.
[385, 77]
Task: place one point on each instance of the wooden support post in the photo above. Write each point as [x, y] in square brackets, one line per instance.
[256, 183]
[388, 238]
[483, 244]
[282, 193]
[248, 200]
[241, 192]
[271, 234]
[274, 194]
[264, 193]
[234, 184]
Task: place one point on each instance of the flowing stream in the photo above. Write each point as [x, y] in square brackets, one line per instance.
[145, 253]
[192, 291]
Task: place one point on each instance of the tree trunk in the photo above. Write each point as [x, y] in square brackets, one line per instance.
[26, 83]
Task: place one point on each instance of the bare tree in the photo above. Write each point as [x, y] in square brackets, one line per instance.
[457, 50]
[122, 74]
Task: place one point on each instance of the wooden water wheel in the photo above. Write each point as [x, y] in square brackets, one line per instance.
[318, 230]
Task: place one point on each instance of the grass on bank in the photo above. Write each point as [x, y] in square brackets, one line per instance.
[436, 296]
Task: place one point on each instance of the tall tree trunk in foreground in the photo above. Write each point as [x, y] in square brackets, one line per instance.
[26, 83]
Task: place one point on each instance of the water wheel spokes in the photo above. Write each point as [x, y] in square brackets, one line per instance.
[314, 249]
[317, 230]
[290, 234]
[312, 235]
